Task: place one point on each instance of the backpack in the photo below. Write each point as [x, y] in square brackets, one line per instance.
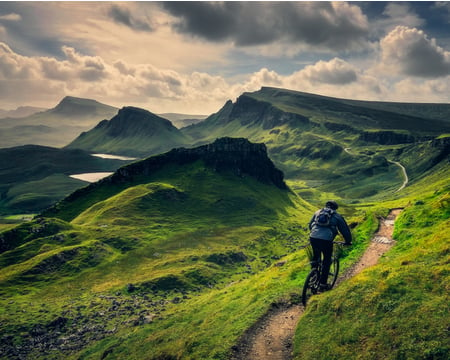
[323, 217]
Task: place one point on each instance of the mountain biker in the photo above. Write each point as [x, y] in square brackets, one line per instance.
[324, 226]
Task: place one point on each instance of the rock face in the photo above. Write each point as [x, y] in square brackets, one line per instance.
[250, 111]
[386, 137]
[225, 154]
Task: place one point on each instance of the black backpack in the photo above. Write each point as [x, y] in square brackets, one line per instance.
[323, 217]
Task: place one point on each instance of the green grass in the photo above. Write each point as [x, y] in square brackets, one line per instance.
[397, 309]
[209, 239]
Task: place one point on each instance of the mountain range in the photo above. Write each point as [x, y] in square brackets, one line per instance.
[54, 127]
[346, 149]
[176, 254]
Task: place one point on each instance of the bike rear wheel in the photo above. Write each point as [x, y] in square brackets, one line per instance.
[311, 286]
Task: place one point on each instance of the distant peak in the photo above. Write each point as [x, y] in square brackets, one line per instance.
[75, 106]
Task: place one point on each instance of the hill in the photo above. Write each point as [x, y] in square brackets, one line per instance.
[57, 126]
[132, 132]
[33, 177]
[183, 120]
[20, 112]
[343, 148]
[159, 237]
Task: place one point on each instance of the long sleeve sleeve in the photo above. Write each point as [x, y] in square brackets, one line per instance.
[344, 230]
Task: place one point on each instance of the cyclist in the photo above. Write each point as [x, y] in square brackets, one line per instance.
[324, 226]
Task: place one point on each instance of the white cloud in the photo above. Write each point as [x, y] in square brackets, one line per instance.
[410, 52]
[11, 17]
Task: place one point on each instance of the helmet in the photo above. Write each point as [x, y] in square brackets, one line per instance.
[332, 204]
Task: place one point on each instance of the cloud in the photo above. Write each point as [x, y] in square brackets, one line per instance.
[40, 80]
[336, 72]
[337, 26]
[11, 17]
[122, 15]
[398, 14]
[412, 53]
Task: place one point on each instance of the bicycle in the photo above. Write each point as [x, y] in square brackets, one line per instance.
[312, 282]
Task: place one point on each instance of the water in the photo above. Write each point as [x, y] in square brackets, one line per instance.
[91, 177]
[95, 176]
[116, 157]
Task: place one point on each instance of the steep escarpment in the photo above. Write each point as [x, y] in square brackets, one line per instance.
[235, 155]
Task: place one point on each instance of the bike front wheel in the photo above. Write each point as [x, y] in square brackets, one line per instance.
[311, 286]
[334, 272]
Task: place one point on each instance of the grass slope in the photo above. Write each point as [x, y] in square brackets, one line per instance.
[182, 247]
[399, 308]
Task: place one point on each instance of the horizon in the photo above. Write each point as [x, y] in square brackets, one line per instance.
[192, 57]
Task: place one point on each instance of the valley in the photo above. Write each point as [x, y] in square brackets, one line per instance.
[198, 232]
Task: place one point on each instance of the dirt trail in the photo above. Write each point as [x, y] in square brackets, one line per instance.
[271, 337]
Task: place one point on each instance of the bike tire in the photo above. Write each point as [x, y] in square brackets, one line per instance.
[334, 272]
[311, 286]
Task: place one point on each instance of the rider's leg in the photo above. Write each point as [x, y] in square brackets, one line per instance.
[317, 250]
[327, 249]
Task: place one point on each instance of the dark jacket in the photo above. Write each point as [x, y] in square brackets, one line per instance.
[337, 223]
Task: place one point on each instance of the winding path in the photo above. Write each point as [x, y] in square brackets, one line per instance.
[271, 337]
[405, 175]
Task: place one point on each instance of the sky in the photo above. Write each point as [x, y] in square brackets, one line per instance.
[191, 57]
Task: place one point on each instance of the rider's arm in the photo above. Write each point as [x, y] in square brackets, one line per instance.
[344, 230]
[311, 222]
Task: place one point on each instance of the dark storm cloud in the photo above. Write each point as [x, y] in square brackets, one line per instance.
[337, 26]
[123, 16]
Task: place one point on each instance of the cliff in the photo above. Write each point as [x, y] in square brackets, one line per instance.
[236, 155]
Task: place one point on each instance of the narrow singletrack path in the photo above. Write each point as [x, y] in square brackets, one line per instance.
[271, 337]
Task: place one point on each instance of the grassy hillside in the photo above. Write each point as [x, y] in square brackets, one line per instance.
[399, 308]
[177, 255]
[155, 268]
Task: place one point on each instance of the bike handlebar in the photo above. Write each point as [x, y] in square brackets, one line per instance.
[342, 243]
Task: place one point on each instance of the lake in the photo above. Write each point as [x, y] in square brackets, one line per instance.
[91, 177]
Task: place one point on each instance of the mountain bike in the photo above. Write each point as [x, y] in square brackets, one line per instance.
[312, 282]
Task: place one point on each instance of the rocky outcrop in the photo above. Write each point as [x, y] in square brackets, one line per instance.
[225, 154]
[250, 111]
[386, 137]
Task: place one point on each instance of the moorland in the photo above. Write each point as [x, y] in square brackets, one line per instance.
[181, 250]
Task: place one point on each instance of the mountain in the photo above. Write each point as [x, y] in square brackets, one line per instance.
[20, 112]
[350, 149]
[157, 236]
[132, 132]
[33, 177]
[54, 127]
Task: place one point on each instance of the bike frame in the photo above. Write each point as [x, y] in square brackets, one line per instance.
[312, 282]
